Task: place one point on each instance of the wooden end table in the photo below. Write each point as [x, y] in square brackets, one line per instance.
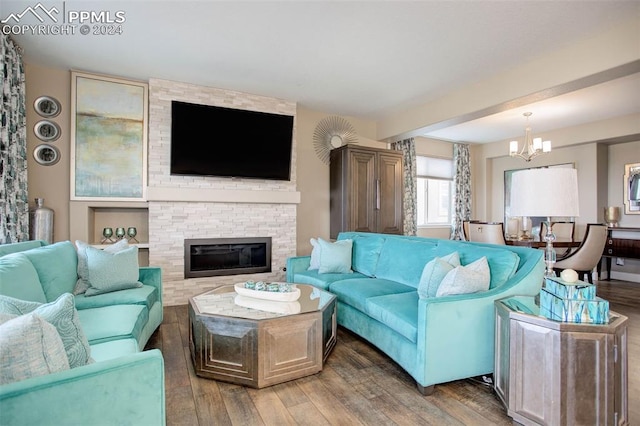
[256, 348]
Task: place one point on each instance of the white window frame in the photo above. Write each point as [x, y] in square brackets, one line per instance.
[440, 175]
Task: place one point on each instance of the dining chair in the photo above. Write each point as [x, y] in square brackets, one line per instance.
[465, 227]
[588, 254]
[486, 232]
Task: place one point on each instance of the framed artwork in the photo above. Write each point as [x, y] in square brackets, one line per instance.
[632, 188]
[108, 138]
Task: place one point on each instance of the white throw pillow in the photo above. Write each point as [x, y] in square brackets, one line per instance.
[471, 278]
[434, 272]
[315, 255]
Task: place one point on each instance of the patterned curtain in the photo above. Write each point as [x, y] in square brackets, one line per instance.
[408, 148]
[14, 201]
[462, 189]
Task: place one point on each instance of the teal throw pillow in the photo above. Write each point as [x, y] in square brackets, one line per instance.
[29, 347]
[112, 271]
[366, 252]
[62, 314]
[83, 266]
[471, 278]
[434, 272]
[335, 258]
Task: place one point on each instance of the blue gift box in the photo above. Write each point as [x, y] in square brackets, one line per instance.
[594, 311]
[576, 290]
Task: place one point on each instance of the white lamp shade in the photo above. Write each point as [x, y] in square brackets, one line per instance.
[547, 192]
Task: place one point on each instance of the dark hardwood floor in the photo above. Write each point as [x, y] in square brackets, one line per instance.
[358, 385]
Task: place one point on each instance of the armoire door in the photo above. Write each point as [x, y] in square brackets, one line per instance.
[389, 193]
[362, 180]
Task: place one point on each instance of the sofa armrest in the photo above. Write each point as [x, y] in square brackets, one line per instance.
[125, 390]
[152, 275]
[297, 264]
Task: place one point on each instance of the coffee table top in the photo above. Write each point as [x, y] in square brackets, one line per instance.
[222, 302]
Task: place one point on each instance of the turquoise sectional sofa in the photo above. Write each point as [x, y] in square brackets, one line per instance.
[124, 385]
[435, 339]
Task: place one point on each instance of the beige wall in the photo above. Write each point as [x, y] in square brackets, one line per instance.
[50, 182]
[313, 176]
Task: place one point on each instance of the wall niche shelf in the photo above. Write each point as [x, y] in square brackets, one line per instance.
[89, 218]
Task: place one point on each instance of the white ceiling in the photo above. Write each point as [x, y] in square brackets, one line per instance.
[362, 59]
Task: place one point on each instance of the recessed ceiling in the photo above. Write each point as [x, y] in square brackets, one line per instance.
[362, 59]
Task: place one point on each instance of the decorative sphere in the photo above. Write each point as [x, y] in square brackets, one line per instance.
[569, 276]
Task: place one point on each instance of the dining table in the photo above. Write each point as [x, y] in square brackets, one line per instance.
[536, 243]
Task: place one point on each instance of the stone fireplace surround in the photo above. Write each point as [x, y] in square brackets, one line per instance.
[189, 207]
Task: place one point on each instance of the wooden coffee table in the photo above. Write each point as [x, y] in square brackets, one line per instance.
[257, 348]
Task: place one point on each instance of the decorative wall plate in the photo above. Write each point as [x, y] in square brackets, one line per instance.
[330, 133]
[46, 155]
[46, 130]
[47, 107]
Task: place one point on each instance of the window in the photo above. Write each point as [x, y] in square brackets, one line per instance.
[435, 190]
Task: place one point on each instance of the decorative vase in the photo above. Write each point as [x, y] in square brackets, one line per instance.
[120, 233]
[41, 222]
[612, 216]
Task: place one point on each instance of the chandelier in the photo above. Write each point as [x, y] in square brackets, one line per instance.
[532, 146]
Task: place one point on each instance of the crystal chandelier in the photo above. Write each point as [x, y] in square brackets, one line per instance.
[532, 146]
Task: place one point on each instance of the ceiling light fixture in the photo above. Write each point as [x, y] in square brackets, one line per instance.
[532, 146]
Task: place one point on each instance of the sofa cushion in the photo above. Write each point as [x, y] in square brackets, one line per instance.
[335, 258]
[62, 314]
[397, 311]
[57, 266]
[322, 281]
[113, 349]
[503, 263]
[21, 246]
[355, 292]
[112, 271]
[29, 347]
[470, 278]
[113, 322]
[434, 272]
[366, 252]
[146, 295]
[403, 260]
[19, 278]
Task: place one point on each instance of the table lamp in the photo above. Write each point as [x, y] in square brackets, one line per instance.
[546, 192]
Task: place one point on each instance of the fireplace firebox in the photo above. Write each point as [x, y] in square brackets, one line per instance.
[208, 257]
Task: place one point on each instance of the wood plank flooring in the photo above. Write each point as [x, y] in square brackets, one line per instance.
[358, 386]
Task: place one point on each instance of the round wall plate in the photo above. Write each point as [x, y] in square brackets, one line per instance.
[46, 155]
[46, 130]
[47, 107]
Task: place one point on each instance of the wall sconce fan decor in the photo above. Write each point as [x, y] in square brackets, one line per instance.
[330, 133]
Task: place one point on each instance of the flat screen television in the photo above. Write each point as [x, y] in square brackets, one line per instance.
[215, 141]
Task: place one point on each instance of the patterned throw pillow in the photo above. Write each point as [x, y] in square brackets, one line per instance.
[62, 314]
[83, 267]
[112, 271]
[471, 278]
[29, 347]
[434, 272]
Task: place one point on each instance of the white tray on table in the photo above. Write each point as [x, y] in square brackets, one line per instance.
[277, 296]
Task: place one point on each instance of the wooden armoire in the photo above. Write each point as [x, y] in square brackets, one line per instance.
[366, 190]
